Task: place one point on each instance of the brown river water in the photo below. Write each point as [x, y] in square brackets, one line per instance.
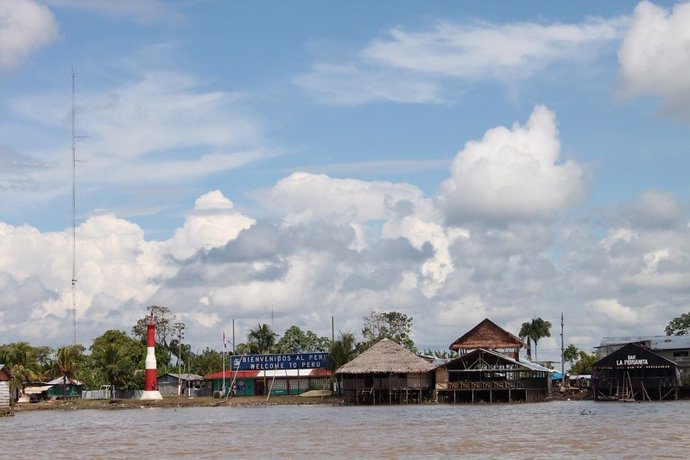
[557, 429]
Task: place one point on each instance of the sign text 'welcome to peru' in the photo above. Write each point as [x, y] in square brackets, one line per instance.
[280, 362]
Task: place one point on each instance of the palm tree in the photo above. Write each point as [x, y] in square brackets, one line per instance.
[342, 351]
[533, 331]
[262, 339]
[541, 328]
[22, 375]
[243, 349]
[22, 361]
[114, 364]
[526, 335]
[67, 364]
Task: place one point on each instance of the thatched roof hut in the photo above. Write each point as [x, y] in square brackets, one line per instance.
[386, 374]
[386, 357]
[489, 336]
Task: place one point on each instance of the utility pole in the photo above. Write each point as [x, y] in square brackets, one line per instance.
[562, 354]
[180, 336]
[222, 389]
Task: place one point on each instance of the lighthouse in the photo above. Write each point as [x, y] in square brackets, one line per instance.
[150, 386]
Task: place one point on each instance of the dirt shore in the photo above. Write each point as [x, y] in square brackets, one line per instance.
[172, 402]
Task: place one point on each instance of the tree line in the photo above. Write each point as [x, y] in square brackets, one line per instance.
[118, 359]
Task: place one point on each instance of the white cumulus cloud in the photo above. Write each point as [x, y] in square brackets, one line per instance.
[612, 310]
[318, 195]
[512, 173]
[25, 26]
[655, 58]
[212, 225]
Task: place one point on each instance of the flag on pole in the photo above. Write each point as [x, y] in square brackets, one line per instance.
[224, 342]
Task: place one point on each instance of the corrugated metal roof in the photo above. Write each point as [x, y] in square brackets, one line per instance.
[228, 372]
[502, 356]
[37, 390]
[656, 342]
[295, 373]
[651, 359]
[185, 376]
[60, 381]
[522, 362]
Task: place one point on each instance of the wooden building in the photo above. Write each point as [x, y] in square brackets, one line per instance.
[489, 376]
[171, 384]
[633, 373]
[387, 373]
[489, 369]
[675, 348]
[5, 400]
[489, 336]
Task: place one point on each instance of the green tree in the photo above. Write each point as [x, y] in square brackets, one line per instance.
[441, 354]
[295, 340]
[243, 349]
[67, 364]
[21, 376]
[679, 325]
[207, 361]
[164, 320]
[533, 331]
[261, 339]
[119, 360]
[26, 363]
[584, 363]
[36, 358]
[570, 354]
[115, 366]
[388, 325]
[526, 336]
[340, 353]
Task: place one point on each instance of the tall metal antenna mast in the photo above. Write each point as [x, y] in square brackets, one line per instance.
[74, 223]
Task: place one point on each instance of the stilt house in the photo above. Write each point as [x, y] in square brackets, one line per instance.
[634, 373]
[387, 373]
[489, 369]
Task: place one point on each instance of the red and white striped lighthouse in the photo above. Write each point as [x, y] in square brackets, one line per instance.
[150, 387]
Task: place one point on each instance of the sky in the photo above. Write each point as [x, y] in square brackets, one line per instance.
[289, 162]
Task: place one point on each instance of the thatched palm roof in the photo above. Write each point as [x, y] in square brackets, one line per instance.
[487, 335]
[388, 357]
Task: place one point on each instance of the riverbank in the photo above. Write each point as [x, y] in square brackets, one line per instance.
[173, 402]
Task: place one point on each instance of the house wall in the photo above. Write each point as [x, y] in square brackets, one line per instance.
[281, 385]
[243, 387]
[71, 391]
[4, 395]
[442, 378]
[415, 381]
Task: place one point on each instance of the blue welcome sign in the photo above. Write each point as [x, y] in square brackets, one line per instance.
[279, 362]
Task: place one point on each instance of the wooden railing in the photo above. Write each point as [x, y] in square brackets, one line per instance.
[480, 385]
